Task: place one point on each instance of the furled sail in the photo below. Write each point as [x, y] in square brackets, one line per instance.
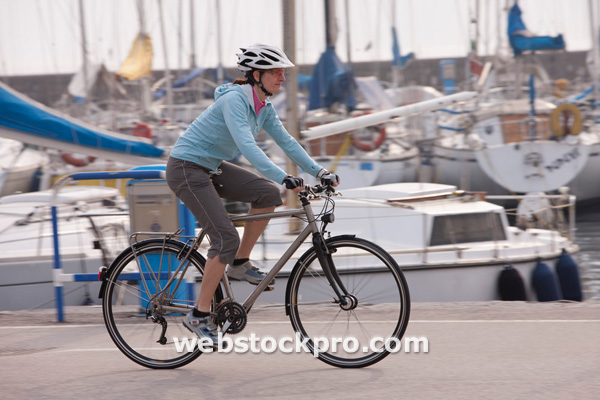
[139, 61]
[331, 82]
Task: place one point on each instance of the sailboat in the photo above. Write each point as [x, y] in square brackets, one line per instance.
[518, 145]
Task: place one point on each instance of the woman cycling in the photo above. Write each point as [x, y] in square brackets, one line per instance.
[199, 175]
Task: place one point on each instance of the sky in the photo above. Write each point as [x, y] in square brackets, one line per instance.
[45, 36]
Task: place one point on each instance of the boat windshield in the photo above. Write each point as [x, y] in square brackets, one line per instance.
[467, 228]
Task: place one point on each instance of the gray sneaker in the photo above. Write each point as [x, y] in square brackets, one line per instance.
[246, 272]
[202, 327]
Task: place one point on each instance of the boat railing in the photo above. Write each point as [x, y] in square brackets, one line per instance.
[59, 277]
[557, 213]
[108, 250]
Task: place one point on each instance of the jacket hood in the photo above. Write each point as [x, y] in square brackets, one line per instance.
[225, 88]
[228, 87]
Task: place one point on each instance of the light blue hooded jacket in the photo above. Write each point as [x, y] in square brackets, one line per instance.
[231, 124]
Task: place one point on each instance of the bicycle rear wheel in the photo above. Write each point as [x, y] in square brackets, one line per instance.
[372, 322]
[143, 316]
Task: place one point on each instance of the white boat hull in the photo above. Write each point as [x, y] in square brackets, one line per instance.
[19, 166]
[28, 284]
[459, 167]
[433, 283]
[408, 220]
[585, 185]
[475, 170]
[365, 171]
[27, 250]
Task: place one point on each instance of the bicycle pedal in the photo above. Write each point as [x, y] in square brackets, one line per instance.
[269, 289]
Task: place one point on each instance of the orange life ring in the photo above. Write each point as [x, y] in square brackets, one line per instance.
[142, 130]
[374, 143]
[566, 119]
[77, 160]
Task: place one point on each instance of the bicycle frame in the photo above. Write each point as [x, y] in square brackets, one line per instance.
[311, 228]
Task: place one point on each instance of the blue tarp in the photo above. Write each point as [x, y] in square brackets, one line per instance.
[332, 82]
[520, 43]
[25, 115]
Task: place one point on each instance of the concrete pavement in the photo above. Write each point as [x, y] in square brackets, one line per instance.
[495, 350]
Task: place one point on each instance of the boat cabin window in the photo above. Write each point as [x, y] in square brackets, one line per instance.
[466, 228]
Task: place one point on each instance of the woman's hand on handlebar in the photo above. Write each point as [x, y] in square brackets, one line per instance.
[293, 183]
[330, 179]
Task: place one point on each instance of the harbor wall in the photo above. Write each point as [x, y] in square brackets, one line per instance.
[48, 89]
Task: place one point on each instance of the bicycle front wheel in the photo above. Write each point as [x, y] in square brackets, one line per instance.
[142, 313]
[369, 324]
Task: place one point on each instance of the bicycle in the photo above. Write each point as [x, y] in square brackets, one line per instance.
[342, 287]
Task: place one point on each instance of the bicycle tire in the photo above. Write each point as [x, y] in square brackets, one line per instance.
[127, 300]
[371, 275]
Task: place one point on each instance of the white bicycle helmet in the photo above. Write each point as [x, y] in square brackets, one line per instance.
[262, 56]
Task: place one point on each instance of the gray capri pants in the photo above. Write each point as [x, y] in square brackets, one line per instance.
[201, 192]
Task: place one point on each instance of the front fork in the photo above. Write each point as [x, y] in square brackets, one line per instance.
[346, 300]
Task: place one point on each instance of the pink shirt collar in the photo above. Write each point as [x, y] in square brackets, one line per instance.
[258, 105]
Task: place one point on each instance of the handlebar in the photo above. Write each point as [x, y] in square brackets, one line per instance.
[313, 192]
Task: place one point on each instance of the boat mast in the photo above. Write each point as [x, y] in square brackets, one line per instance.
[395, 68]
[220, 71]
[192, 37]
[291, 95]
[499, 38]
[330, 24]
[595, 49]
[145, 80]
[348, 46]
[169, 89]
[179, 38]
[473, 44]
[84, 52]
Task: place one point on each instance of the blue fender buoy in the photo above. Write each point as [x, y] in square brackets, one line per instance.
[568, 277]
[511, 285]
[545, 283]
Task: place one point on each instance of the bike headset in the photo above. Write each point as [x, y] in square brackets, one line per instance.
[261, 57]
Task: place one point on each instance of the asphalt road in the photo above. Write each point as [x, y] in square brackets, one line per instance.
[476, 351]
